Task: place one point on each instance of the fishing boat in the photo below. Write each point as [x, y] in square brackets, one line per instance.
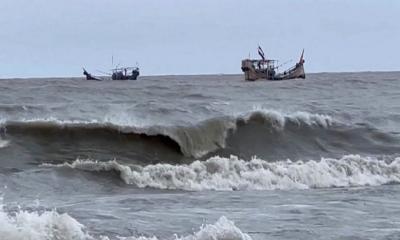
[117, 73]
[263, 68]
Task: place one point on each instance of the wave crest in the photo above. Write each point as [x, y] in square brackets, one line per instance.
[278, 120]
[218, 173]
[38, 226]
[193, 140]
[223, 229]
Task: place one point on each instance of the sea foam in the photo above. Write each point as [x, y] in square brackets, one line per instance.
[49, 225]
[24, 225]
[219, 173]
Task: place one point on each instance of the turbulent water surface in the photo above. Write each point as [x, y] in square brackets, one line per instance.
[201, 158]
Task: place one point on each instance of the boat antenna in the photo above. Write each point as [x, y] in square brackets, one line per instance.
[112, 60]
[102, 72]
[291, 60]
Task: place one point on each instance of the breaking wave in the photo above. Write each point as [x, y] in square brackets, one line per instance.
[218, 173]
[33, 225]
[25, 225]
[191, 140]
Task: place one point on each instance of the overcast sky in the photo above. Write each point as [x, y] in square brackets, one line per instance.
[58, 37]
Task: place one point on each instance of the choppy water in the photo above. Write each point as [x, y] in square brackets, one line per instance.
[201, 157]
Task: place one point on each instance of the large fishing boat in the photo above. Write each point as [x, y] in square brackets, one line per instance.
[263, 68]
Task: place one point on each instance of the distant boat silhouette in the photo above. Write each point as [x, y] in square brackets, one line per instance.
[122, 73]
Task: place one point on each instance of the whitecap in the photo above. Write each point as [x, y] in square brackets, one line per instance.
[226, 174]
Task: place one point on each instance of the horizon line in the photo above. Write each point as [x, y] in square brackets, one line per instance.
[194, 74]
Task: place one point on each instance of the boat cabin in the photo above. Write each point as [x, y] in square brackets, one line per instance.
[125, 73]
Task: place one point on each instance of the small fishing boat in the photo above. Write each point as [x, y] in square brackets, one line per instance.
[125, 73]
[263, 68]
[117, 73]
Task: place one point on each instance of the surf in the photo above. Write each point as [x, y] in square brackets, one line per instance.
[233, 173]
[50, 224]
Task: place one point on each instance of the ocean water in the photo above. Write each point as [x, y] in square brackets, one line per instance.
[209, 157]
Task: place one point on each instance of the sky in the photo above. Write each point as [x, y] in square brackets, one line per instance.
[56, 38]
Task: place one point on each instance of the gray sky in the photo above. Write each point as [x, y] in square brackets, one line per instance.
[58, 37]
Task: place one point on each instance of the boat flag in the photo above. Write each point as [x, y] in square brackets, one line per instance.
[261, 53]
[301, 58]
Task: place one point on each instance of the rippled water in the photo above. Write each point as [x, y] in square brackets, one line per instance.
[201, 157]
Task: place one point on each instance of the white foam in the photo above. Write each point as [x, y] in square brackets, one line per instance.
[24, 225]
[218, 173]
[49, 225]
[279, 119]
[223, 229]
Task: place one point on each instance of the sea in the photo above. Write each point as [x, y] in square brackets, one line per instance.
[201, 157]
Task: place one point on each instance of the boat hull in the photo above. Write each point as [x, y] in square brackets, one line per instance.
[90, 76]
